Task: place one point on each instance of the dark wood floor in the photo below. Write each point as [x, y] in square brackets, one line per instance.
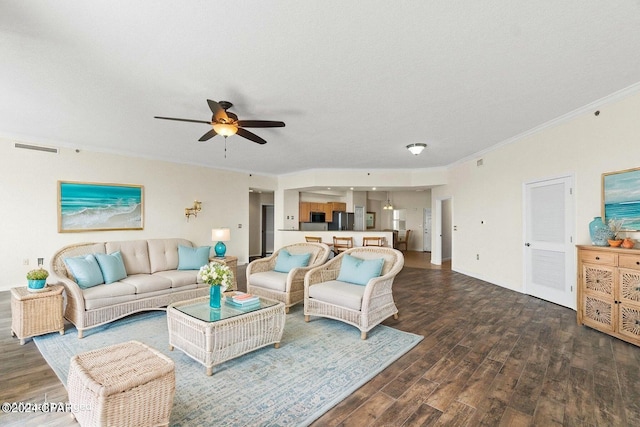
[490, 357]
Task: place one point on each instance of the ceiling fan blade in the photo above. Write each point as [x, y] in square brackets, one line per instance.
[250, 136]
[207, 136]
[260, 124]
[182, 120]
[218, 112]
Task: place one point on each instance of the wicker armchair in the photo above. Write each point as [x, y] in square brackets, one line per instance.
[376, 298]
[263, 281]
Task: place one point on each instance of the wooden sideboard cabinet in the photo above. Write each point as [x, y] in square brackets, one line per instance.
[609, 291]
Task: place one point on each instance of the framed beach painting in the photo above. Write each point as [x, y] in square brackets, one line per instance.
[621, 198]
[93, 207]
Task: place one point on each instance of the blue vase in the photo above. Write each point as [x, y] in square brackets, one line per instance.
[599, 232]
[36, 284]
[214, 296]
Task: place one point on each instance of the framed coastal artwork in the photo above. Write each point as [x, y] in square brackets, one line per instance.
[84, 206]
[621, 198]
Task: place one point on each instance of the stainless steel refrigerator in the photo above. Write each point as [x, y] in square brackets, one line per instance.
[341, 221]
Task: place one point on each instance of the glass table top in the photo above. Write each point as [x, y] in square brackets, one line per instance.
[202, 311]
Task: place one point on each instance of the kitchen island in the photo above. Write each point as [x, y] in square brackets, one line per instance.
[288, 237]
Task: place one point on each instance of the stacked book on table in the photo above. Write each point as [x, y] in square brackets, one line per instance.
[243, 300]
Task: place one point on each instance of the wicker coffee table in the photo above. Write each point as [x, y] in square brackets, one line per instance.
[212, 336]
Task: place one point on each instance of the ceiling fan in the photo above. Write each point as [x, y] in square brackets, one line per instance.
[226, 123]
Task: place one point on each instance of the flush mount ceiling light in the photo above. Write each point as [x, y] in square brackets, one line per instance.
[416, 148]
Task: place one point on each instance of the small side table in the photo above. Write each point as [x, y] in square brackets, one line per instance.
[231, 262]
[36, 313]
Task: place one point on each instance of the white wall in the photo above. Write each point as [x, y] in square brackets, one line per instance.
[585, 146]
[29, 203]
[414, 202]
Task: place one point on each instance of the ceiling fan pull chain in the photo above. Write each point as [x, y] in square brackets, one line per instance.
[225, 147]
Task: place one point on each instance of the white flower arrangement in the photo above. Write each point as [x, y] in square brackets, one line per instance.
[216, 274]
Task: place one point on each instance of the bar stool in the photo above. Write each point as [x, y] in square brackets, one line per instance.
[313, 239]
[404, 242]
[341, 244]
[373, 241]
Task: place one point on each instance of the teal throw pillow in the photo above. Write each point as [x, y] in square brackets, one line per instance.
[193, 258]
[112, 267]
[359, 271]
[85, 270]
[287, 262]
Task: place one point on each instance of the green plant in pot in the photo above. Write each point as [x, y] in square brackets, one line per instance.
[37, 279]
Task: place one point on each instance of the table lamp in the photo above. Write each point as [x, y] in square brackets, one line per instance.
[221, 235]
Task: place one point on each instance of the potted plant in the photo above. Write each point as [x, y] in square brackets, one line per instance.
[37, 279]
[217, 276]
[615, 225]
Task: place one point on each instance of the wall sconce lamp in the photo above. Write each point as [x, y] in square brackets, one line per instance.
[221, 235]
[197, 207]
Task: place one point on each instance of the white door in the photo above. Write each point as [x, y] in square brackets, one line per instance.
[267, 229]
[359, 218]
[548, 250]
[426, 227]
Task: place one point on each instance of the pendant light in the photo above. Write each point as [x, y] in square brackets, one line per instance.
[388, 206]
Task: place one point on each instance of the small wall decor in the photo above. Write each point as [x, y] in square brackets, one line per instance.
[621, 197]
[371, 220]
[94, 207]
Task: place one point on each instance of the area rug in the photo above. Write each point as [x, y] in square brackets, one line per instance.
[317, 365]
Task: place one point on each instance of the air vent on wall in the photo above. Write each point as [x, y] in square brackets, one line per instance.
[36, 148]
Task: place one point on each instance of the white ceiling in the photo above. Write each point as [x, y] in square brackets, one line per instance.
[355, 82]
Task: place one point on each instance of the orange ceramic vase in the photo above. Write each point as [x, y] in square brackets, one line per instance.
[628, 243]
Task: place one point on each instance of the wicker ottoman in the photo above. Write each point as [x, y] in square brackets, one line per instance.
[127, 384]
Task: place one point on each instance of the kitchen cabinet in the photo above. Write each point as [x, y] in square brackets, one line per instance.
[305, 212]
[337, 206]
[327, 212]
[328, 208]
[609, 291]
[316, 207]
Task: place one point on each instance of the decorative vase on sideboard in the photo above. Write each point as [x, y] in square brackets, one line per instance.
[599, 232]
[628, 243]
[214, 296]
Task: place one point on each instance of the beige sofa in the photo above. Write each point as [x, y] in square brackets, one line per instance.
[152, 281]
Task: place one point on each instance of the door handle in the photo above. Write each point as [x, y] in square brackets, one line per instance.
[527, 244]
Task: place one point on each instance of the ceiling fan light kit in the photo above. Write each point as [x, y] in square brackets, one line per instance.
[225, 129]
[416, 148]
